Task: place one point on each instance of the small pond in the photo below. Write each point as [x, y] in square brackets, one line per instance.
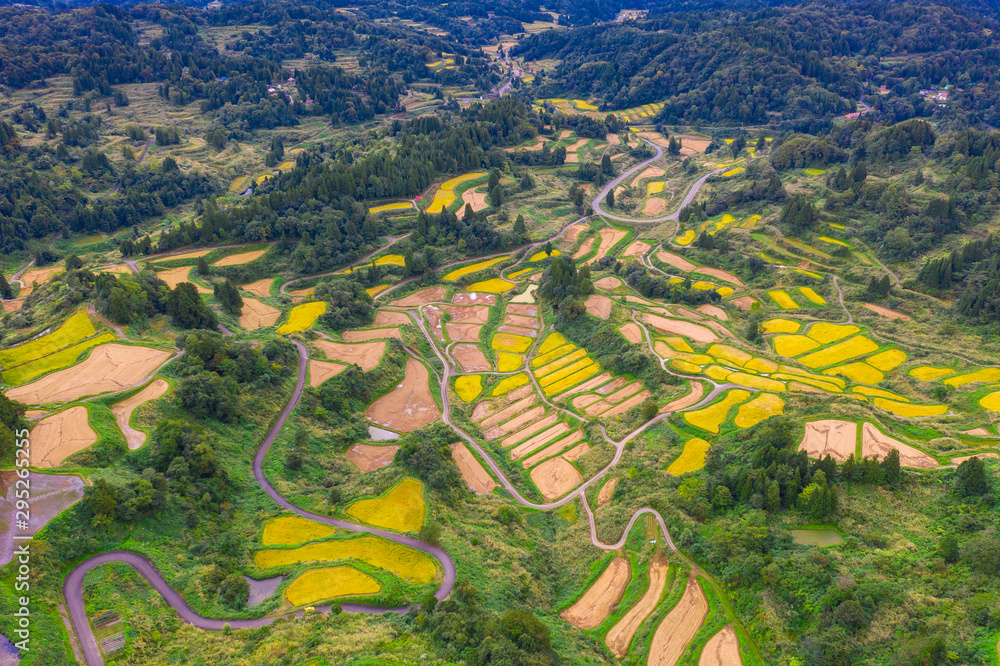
[261, 590]
[379, 434]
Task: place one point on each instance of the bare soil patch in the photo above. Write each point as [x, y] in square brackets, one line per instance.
[508, 412]
[555, 478]
[365, 355]
[685, 401]
[609, 237]
[174, 276]
[260, 288]
[35, 278]
[698, 333]
[978, 432]
[516, 423]
[692, 144]
[470, 298]
[623, 407]
[408, 406]
[540, 454]
[599, 306]
[110, 367]
[577, 451]
[654, 206]
[520, 320]
[523, 309]
[422, 297]
[679, 626]
[123, 412]
[580, 402]
[632, 332]
[636, 249]
[474, 198]
[874, 442]
[573, 231]
[586, 386]
[584, 249]
[607, 491]
[50, 494]
[59, 436]
[517, 330]
[713, 310]
[608, 283]
[470, 314]
[477, 478]
[648, 172]
[684, 312]
[490, 407]
[183, 255]
[538, 441]
[620, 636]
[624, 392]
[12, 305]
[241, 258]
[532, 148]
[614, 385]
[371, 334]
[744, 302]
[677, 261]
[463, 332]
[886, 312]
[722, 649]
[565, 134]
[594, 606]
[387, 318]
[838, 439]
[721, 274]
[257, 314]
[961, 459]
[368, 458]
[434, 315]
[471, 358]
[320, 371]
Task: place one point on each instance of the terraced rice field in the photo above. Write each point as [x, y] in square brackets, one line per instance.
[459, 273]
[711, 417]
[840, 352]
[387, 208]
[783, 300]
[400, 509]
[445, 196]
[302, 317]
[692, 458]
[762, 407]
[468, 387]
[491, 286]
[409, 564]
[331, 583]
[292, 531]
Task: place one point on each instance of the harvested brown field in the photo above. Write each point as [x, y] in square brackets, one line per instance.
[120, 269]
[434, 315]
[516, 330]
[520, 320]
[677, 261]
[538, 441]
[257, 314]
[366, 355]
[463, 332]
[410, 405]
[692, 144]
[532, 148]
[580, 402]
[37, 277]
[12, 305]
[577, 452]
[518, 422]
[320, 371]
[609, 238]
[174, 276]
[555, 478]
[648, 172]
[123, 412]
[371, 334]
[599, 306]
[713, 310]
[586, 386]
[597, 603]
[838, 439]
[559, 447]
[876, 443]
[624, 392]
[679, 626]
[623, 407]
[59, 436]
[620, 636]
[183, 255]
[260, 288]
[961, 459]
[472, 298]
[684, 312]
[574, 230]
[110, 367]
[613, 385]
[722, 649]
[744, 302]
[368, 458]
[475, 475]
[608, 283]
[698, 333]
[978, 432]
[476, 199]
[584, 249]
[422, 297]
[685, 401]
[565, 134]
[654, 206]
[613, 139]
[388, 318]
[607, 491]
[720, 274]
[632, 332]
[530, 429]
[50, 495]
[471, 358]
[636, 249]
[470, 314]
[523, 309]
[886, 312]
[491, 407]
[241, 258]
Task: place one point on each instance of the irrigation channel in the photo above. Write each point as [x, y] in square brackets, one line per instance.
[73, 584]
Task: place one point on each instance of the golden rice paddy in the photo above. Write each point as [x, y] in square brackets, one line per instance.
[861, 373]
[572, 380]
[928, 373]
[468, 387]
[692, 458]
[292, 530]
[985, 375]
[840, 352]
[472, 268]
[402, 205]
[793, 345]
[492, 286]
[905, 409]
[511, 383]
[322, 584]
[887, 360]
[764, 406]
[991, 401]
[783, 300]
[550, 343]
[509, 342]
[538, 256]
[780, 326]
[407, 563]
[825, 332]
[445, 196]
[711, 417]
[400, 509]
[685, 238]
[302, 317]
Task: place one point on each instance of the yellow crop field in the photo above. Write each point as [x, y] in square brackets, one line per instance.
[827, 239]
[511, 383]
[472, 268]
[793, 372]
[302, 317]
[239, 184]
[560, 362]
[793, 345]
[825, 332]
[402, 205]
[783, 299]
[684, 366]
[811, 294]
[491, 286]
[815, 172]
[60, 359]
[556, 353]
[385, 260]
[538, 256]
[371, 291]
[840, 352]
[292, 530]
[985, 375]
[809, 273]
[991, 401]
[861, 373]
[517, 274]
[711, 417]
[928, 373]
[468, 387]
[811, 381]
[716, 372]
[573, 379]
[780, 326]
[701, 285]
[733, 172]
[731, 354]
[755, 382]
[904, 409]
[680, 344]
[760, 408]
[654, 188]
[554, 377]
[400, 509]
[407, 563]
[685, 238]
[445, 196]
[553, 341]
[725, 291]
[761, 365]
[878, 393]
[509, 342]
[691, 459]
[74, 329]
[322, 584]
[507, 362]
[887, 360]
